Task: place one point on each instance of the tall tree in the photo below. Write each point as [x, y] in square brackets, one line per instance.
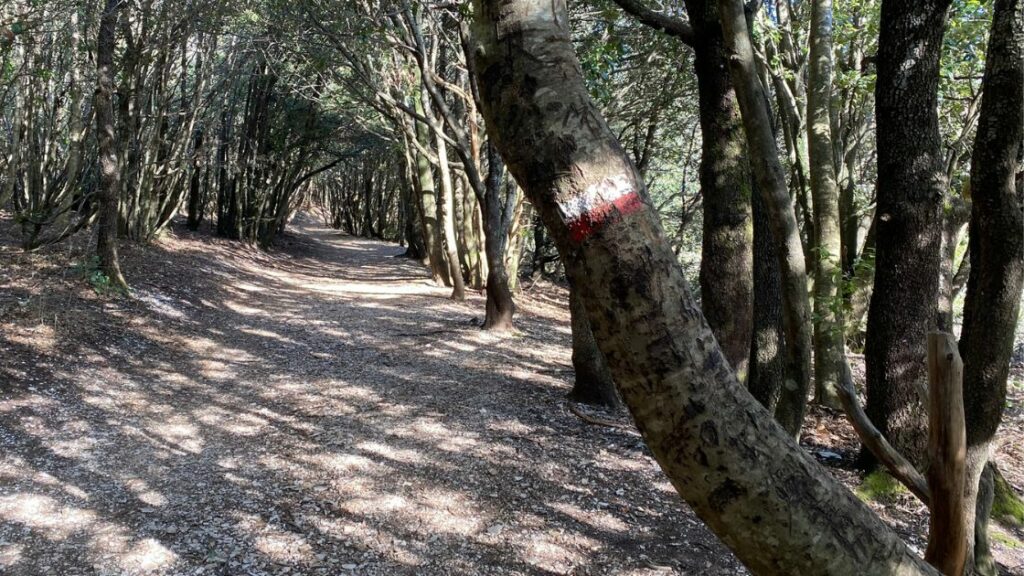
[109, 153]
[996, 251]
[911, 185]
[726, 265]
[771, 183]
[743, 474]
[828, 331]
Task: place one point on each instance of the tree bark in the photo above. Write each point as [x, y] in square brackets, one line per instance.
[446, 216]
[996, 249]
[911, 185]
[109, 153]
[828, 320]
[947, 440]
[743, 474]
[432, 229]
[726, 266]
[771, 183]
[196, 202]
[500, 307]
[594, 384]
[767, 365]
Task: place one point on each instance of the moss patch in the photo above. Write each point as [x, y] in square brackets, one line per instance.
[879, 486]
[1000, 537]
[1007, 505]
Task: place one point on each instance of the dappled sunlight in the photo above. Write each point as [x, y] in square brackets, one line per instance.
[596, 518]
[322, 415]
[45, 514]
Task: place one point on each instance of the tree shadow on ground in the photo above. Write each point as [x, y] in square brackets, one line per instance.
[320, 409]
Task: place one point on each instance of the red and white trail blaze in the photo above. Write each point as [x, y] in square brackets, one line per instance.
[599, 203]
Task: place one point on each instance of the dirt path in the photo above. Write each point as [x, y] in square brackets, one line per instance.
[321, 410]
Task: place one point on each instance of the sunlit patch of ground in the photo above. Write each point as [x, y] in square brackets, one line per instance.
[320, 409]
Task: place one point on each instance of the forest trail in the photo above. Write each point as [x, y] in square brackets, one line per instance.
[322, 409]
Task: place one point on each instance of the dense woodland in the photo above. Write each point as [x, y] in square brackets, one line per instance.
[743, 198]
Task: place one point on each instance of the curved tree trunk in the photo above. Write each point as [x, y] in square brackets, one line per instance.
[910, 193]
[780, 511]
[996, 250]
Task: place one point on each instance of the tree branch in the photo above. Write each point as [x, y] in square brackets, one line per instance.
[659, 21]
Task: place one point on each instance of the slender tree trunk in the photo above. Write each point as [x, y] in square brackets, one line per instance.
[910, 193]
[500, 306]
[996, 251]
[432, 229]
[106, 135]
[743, 475]
[594, 384]
[767, 366]
[771, 182]
[955, 215]
[446, 215]
[196, 202]
[828, 325]
[412, 221]
[726, 266]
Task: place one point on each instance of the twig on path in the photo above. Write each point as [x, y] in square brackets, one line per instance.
[598, 421]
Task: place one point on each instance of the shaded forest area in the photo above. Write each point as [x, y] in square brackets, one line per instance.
[511, 287]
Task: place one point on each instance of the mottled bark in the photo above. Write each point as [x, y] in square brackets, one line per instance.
[911, 185]
[726, 266]
[828, 320]
[767, 363]
[594, 384]
[107, 142]
[744, 476]
[996, 245]
[771, 183]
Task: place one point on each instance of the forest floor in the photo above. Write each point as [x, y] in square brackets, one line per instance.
[324, 408]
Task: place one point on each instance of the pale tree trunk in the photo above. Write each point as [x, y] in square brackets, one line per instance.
[771, 183]
[954, 220]
[996, 252]
[446, 216]
[106, 136]
[426, 189]
[828, 330]
[911, 185]
[780, 511]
